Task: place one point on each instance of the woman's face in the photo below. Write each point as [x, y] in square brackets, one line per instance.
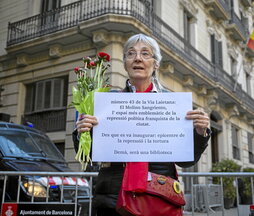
[139, 62]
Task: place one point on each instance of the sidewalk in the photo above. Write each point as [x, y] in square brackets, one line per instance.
[227, 212]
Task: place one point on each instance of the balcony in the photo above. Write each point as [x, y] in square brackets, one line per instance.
[246, 3]
[250, 53]
[48, 121]
[81, 12]
[218, 9]
[49, 22]
[72, 15]
[236, 28]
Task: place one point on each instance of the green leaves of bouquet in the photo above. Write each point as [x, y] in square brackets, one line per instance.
[90, 79]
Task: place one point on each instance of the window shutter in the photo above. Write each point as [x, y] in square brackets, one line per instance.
[39, 96]
[232, 4]
[47, 95]
[58, 93]
[234, 137]
[213, 49]
[29, 98]
[250, 147]
[185, 25]
[233, 67]
[248, 83]
[235, 145]
[220, 56]
[48, 5]
[216, 52]
[65, 91]
[250, 144]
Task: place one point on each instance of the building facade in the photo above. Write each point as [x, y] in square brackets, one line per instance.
[203, 43]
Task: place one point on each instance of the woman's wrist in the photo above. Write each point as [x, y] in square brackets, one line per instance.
[205, 132]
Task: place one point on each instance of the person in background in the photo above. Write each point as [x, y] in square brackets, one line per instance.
[141, 57]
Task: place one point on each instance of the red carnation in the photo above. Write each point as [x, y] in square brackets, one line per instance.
[92, 64]
[90, 78]
[104, 56]
[86, 59]
[76, 69]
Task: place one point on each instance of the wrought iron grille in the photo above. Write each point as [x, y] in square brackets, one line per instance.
[70, 15]
[48, 121]
[235, 19]
[224, 5]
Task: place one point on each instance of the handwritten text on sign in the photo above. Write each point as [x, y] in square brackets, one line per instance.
[142, 127]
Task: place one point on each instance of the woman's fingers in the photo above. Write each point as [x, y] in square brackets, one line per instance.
[85, 123]
[201, 120]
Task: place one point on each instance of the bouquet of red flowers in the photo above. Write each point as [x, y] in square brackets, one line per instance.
[90, 79]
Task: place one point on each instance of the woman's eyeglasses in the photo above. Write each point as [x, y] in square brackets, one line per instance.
[131, 54]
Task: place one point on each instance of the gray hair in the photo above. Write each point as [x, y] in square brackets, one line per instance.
[156, 51]
[147, 40]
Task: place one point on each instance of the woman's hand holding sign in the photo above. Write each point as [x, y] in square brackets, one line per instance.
[85, 123]
[200, 119]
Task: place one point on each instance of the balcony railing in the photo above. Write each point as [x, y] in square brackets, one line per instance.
[70, 15]
[235, 19]
[172, 39]
[42, 24]
[48, 121]
[246, 3]
[219, 9]
[224, 5]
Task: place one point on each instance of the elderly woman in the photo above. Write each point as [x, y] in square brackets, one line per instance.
[141, 61]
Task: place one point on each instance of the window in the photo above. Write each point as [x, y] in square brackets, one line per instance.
[244, 21]
[50, 16]
[216, 52]
[248, 83]
[189, 22]
[250, 147]
[216, 128]
[230, 4]
[46, 95]
[48, 5]
[189, 32]
[187, 26]
[233, 64]
[152, 3]
[45, 105]
[235, 144]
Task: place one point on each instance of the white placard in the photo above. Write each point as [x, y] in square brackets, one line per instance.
[142, 127]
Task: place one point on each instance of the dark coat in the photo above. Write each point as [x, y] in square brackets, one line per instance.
[110, 178]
